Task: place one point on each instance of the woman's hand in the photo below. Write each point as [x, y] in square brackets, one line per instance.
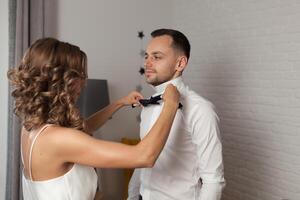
[131, 99]
[171, 94]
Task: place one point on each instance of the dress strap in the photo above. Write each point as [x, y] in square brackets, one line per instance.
[31, 148]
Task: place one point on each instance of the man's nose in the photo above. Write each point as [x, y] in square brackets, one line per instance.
[147, 63]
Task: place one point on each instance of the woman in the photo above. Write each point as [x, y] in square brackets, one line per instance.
[58, 156]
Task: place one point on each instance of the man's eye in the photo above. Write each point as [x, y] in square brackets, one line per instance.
[157, 57]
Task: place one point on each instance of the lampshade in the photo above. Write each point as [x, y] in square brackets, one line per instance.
[93, 97]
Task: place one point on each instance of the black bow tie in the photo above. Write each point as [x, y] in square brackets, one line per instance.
[153, 100]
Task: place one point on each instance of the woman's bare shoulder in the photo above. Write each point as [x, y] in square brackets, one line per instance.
[61, 134]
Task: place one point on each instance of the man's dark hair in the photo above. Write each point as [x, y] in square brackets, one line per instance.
[180, 41]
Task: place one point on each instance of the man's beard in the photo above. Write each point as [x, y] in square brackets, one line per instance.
[156, 81]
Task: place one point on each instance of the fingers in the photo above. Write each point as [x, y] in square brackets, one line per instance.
[171, 94]
[133, 98]
[136, 105]
[137, 95]
[135, 102]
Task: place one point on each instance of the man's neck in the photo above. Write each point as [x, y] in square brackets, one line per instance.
[159, 89]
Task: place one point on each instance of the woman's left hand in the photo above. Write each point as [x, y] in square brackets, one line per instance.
[132, 98]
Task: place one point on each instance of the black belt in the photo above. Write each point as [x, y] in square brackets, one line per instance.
[140, 197]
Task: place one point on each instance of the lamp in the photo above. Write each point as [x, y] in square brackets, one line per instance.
[93, 97]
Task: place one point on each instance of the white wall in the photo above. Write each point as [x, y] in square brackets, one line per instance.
[246, 59]
[107, 32]
[3, 92]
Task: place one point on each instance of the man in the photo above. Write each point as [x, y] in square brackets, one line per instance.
[190, 166]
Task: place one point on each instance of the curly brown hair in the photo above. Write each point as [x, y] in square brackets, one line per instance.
[47, 84]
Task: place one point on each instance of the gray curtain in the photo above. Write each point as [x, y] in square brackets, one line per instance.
[26, 24]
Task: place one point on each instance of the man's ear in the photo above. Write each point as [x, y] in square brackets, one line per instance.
[181, 64]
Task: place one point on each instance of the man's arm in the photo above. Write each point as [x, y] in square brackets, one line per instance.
[134, 185]
[205, 135]
[99, 118]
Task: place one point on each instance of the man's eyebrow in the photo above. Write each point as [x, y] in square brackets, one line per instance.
[157, 52]
[154, 53]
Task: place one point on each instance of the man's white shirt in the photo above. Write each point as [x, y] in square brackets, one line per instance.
[190, 167]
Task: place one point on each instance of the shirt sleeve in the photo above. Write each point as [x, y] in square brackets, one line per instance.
[134, 185]
[205, 134]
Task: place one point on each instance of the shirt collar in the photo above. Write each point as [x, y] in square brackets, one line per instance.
[178, 82]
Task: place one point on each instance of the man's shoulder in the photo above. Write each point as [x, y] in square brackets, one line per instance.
[197, 108]
[195, 102]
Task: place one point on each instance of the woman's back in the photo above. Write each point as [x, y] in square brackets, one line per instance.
[76, 182]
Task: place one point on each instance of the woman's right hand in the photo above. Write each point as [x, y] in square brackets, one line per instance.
[171, 94]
